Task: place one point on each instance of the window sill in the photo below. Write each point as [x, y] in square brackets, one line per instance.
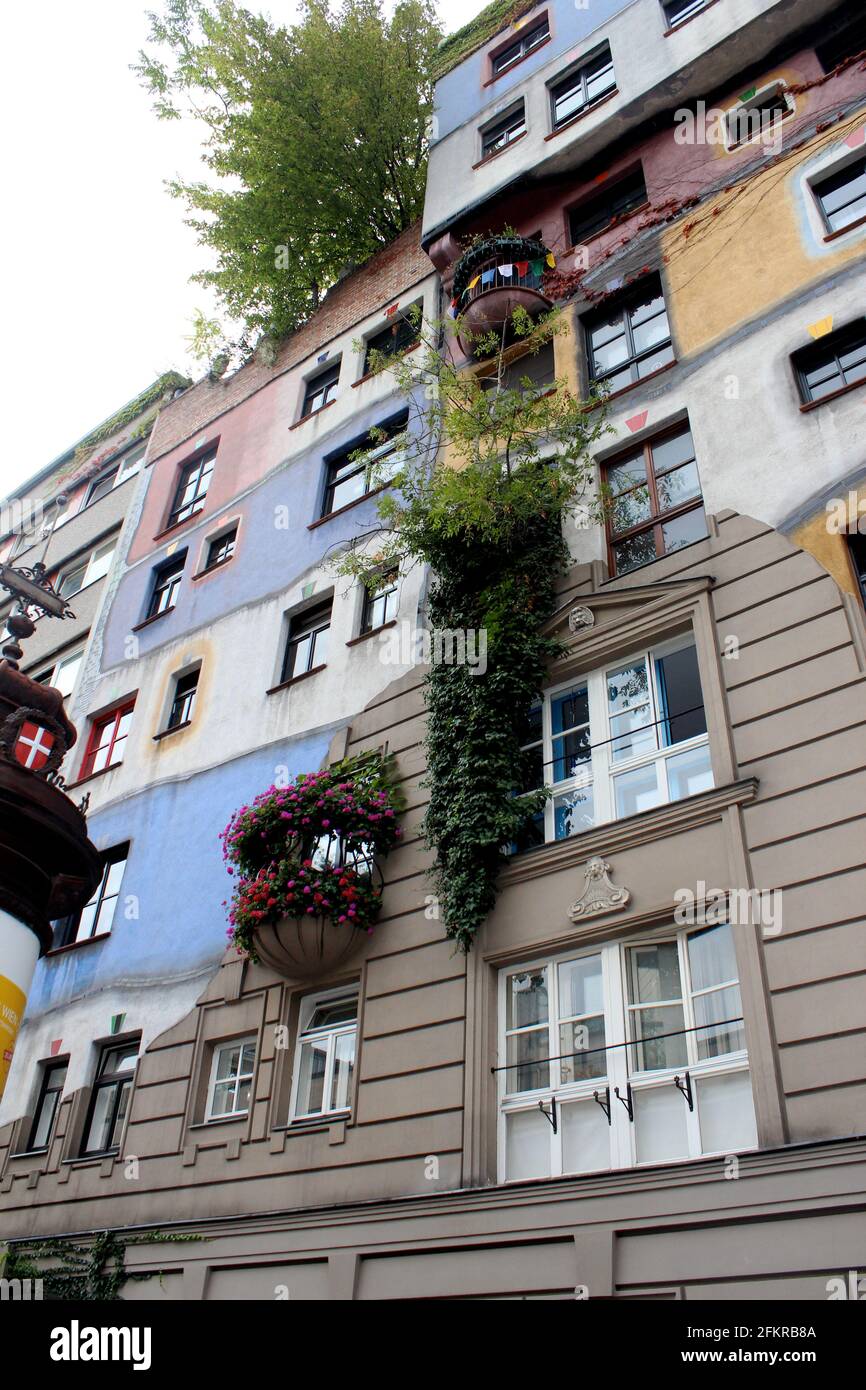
[154, 618]
[92, 776]
[496, 153]
[30, 1153]
[624, 390]
[85, 1160]
[843, 231]
[368, 376]
[809, 406]
[581, 115]
[348, 507]
[175, 729]
[76, 945]
[372, 632]
[295, 680]
[675, 28]
[211, 569]
[314, 1124]
[312, 415]
[177, 525]
[217, 1120]
[506, 72]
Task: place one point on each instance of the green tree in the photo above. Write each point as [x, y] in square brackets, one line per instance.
[316, 133]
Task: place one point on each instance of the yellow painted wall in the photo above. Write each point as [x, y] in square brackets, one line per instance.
[829, 548]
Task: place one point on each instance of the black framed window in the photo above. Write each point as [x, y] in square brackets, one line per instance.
[678, 11]
[503, 132]
[846, 41]
[109, 1102]
[364, 468]
[857, 551]
[582, 87]
[221, 549]
[321, 390]
[630, 340]
[592, 215]
[96, 918]
[166, 586]
[183, 701]
[394, 338]
[832, 363]
[101, 487]
[842, 196]
[381, 603]
[758, 116]
[506, 57]
[307, 645]
[191, 491]
[50, 1093]
[655, 504]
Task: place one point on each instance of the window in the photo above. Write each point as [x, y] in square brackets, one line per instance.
[110, 1100]
[96, 918]
[221, 549]
[64, 673]
[537, 367]
[833, 363]
[86, 570]
[307, 646]
[581, 88]
[619, 741]
[632, 1016]
[678, 11]
[325, 1058]
[842, 196]
[107, 743]
[380, 605]
[166, 587]
[654, 501]
[506, 57]
[194, 481]
[503, 132]
[630, 341]
[857, 551]
[361, 469]
[398, 336]
[759, 115]
[594, 214]
[231, 1079]
[50, 1094]
[321, 390]
[183, 701]
[101, 487]
[125, 468]
[847, 42]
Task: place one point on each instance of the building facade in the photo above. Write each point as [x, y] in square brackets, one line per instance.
[648, 1078]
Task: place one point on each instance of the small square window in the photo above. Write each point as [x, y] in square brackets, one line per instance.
[307, 645]
[321, 390]
[392, 340]
[842, 196]
[96, 918]
[522, 46]
[221, 549]
[166, 587]
[231, 1079]
[381, 603]
[183, 701]
[582, 88]
[192, 488]
[758, 116]
[503, 132]
[833, 363]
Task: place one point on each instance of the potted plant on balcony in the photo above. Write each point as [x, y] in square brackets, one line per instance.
[304, 856]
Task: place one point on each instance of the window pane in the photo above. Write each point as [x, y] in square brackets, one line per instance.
[585, 1137]
[311, 1086]
[684, 529]
[631, 723]
[637, 550]
[526, 1057]
[639, 790]
[652, 328]
[654, 973]
[575, 1039]
[527, 1145]
[98, 1134]
[223, 1098]
[344, 1065]
[678, 486]
[117, 1128]
[712, 959]
[118, 1060]
[682, 701]
[227, 1062]
[580, 987]
[660, 1124]
[630, 509]
[670, 453]
[623, 476]
[726, 1112]
[652, 1051]
[574, 812]
[46, 1119]
[526, 999]
[689, 773]
[709, 1008]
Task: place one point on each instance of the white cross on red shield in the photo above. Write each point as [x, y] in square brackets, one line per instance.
[33, 745]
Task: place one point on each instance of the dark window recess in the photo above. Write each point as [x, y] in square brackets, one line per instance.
[842, 196]
[846, 41]
[192, 488]
[680, 696]
[678, 11]
[537, 367]
[364, 467]
[101, 487]
[97, 916]
[631, 340]
[503, 132]
[321, 390]
[184, 700]
[50, 1092]
[594, 214]
[507, 57]
[832, 363]
[654, 501]
[110, 1100]
[221, 549]
[754, 118]
[857, 551]
[380, 604]
[166, 586]
[307, 645]
[395, 338]
[586, 85]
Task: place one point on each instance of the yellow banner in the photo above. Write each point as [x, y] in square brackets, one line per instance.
[12, 1003]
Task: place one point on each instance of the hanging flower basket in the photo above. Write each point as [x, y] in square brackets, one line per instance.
[308, 889]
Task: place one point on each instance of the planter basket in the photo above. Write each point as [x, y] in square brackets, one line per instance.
[306, 948]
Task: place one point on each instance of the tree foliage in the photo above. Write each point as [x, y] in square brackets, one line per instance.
[316, 135]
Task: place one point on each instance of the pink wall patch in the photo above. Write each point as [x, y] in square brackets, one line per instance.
[637, 422]
[857, 137]
[56, 1046]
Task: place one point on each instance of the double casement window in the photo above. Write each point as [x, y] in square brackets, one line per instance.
[363, 468]
[307, 644]
[833, 363]
[592, 215]
[107, 743]
[381, 603]
[64, 673]
[109, 1102]
[183, 700]
[325, 1056]
[126, 468]
[638, 1016]
[631, 340]
[321, 390]
[86, 570]
[50, 1095]
[231, 1079]
[842, 196]
[619, 741]
[654, 501]
[506, 57]
[97, 916]
[582, 88]
[503, 132]
[221, 548]
[166, 587]
[395, 338]
[192, 487]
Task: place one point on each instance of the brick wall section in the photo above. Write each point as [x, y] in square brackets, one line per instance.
[377, 283]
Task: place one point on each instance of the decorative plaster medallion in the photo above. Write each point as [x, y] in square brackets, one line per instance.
[599, 894]
[580, 618]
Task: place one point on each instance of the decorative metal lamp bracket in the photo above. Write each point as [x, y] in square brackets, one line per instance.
[549, 1115]
[605, 1104]
[628, 1100]
[685, 1087]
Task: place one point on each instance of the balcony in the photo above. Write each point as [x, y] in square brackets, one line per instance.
[492, 279]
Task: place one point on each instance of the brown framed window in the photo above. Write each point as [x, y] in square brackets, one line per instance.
[183, 701]
[395, 338]
[307, 645]
[166, 586]
[842, 196]
[321, 390]
[381, 604]
[221, 549]
[654, 500]
[192, 486]
[582, 88]
[832, 364]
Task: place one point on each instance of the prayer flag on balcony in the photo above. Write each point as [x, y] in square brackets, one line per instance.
[487, 277]
[551, 259]
[521, 267]
[473, 283]
[506, 270]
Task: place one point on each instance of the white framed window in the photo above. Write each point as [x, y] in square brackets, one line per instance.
[87, 569]
[639, 1015]
[619, 741]
[325, 1055]
[64, 673]
[231, 1078]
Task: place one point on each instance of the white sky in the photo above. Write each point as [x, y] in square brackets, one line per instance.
[96, 259]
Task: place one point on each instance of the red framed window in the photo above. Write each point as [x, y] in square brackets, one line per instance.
[107, 742]
[654, 500]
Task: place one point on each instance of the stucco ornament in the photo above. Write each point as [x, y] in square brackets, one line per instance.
[580, 618]
[599, 894]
